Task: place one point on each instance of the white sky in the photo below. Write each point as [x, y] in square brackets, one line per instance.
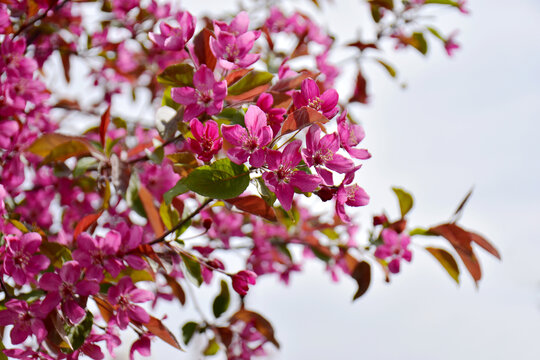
[468, 120]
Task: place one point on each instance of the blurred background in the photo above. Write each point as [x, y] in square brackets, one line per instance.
[469, 120]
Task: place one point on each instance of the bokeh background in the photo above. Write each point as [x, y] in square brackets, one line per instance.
[470, 120]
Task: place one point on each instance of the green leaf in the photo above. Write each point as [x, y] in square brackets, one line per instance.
[250, 81]
[82, 165]
[157, 155]
[188, 330]
[178, 189]
[2, 355]
[390, 69]
[169, 216]
[193, 269]
[168, 101]
[132, 195]
[442, 2]
[436, 34]
[447, 261]
[419, 42]
[78, 334]
[178, 75]
[265, 192]
[405, 201]
[421, 231]
[222, 179]
[233, 115]
[221, 302]
[212, 348]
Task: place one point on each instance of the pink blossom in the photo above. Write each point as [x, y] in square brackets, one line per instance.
[98, 253]
[350, 135]
[321, 152]
[206, 97]
[310, 96]
[207, 141]
[461, 6]
[352, 195]
[283, 177]
[13, 173]
[122, 296]
[26, 320]
[233, 43]
[225, 224]
[20, 261]
[450, 45]
[175, 38]
[394, 247]
[242, 280]
[3, 195]
[158, 179]
[4, 18]
[8, 131]
[274, 115]
[27, 354]
[250, 143]
[142, 346]
[64, 288]
[329, 71]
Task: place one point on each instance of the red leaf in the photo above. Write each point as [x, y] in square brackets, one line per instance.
[262, 325]
[484, 244]
[362, 275]
[105, 308]
[461, 241]
[254, 205]
[281, 100]
[105, 120]
[249, 95]
[301, 118]
[156, 327]
[235, 76]
[363, 46]
[291, 83]
[176, 289]
[85, 223]
[202, 48]
[151, 212]
[360, 89]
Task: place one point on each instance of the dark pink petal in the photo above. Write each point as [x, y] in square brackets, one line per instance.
[111, 243]
[50, 302]
[234, 134]
[138, 314]
[38, 263]
[285, 193]
[184, 95]
[329, 100]
[325, 175]
[50, 282]
[196, 129]
[361, 154]
[73, 311]
[70, 272]
[358, 198]
[340, 164]
[93, 351]
[257, 158]
[86, 243]
[238, 155]
[265, 136]
[273, 159]
[211, 130]
[7, 317]
[135, 262]
[31, 242]
[193, 110]
[265, 101]
[291, 156]
[140, 295]
[393, 266]
[19, 334]
[19, 276]
[310, 90]
[255, 119]
[305, 182]
[122, 319]
[142, 346]
[87, 288]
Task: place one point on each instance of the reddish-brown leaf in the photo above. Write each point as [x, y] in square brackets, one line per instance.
[64, 55]
[152, 212]
[235, 76]
[484, 244]
[225, 335]
[262, 325]
[178, 205]
[301, 118]
[202, 48]
[176, 289]
[105, 308]
[446, 260]
[156, 327]
[362, 275]
[254, 205]
[362, 46]
[281, 100]
[105, 120]
[85, 223]
[292, 83]
[360, 89]
[55, 147]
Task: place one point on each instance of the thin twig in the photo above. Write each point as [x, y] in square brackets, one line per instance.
[40, 17]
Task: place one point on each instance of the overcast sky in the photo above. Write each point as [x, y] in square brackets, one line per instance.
[468, 120]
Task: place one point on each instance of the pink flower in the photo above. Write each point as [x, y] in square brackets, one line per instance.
[20, 261]
[283, 176]
[461, 6]
[450, 45]
[175, 38]
[275, 115]
[207, 141]
[142, 346]
[352, 195]
[233, 43]
[322, 152]
[394, 247]
[242, 280]
[122, 296]
[310, 96]
[351, 135]
[64, 286]
[8, 131]
[207, 96]
[99, 253]
[26, 320]
[250, 143]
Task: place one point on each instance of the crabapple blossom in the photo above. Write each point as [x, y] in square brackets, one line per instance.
[394, 249]
[310, 96]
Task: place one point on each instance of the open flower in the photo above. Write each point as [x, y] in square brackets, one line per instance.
[206, 97]
[63, 288]
[207, 141]
[394, 247]
[350, 135]
[26, 320]
[275, 115]
[97, 254]
[250, 143]
[20, 261]
[175, 38]
[284, 177]
[310, 96]
[123, 296]
[351, 195]
[321, 152]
